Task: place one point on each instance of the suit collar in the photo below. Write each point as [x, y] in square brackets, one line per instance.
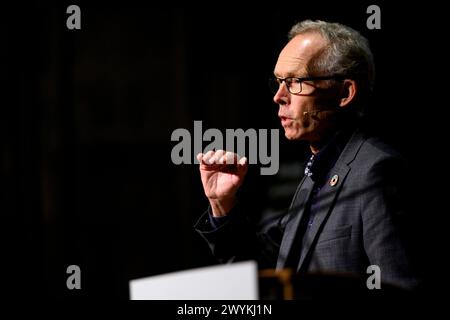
[352, 148]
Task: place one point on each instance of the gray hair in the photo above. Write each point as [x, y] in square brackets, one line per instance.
[347, 54]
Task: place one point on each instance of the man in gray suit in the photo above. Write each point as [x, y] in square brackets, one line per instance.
[345, 215]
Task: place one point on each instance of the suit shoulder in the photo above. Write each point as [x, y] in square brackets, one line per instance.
[376, 145]
[374, 150]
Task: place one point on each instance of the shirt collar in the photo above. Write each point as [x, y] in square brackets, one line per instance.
[320, 163]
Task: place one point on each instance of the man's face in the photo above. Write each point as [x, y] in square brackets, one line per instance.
[292, 62]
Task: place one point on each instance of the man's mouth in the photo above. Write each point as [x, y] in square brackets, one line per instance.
[285, 121]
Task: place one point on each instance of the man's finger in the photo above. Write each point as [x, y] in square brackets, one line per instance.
[242, 166]
[223, 159]
[243, 161]
[207, 156]
[217, 155]
[230, 158]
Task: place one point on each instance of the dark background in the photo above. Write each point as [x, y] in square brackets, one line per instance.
[87, 116]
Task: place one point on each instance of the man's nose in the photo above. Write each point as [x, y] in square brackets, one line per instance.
[281, 97]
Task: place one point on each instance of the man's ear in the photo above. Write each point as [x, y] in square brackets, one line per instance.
[348, 92]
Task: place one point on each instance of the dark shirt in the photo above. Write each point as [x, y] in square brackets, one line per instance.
[320, 168]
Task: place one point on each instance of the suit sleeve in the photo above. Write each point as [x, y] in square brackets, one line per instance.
[384, 217]
[237, 239]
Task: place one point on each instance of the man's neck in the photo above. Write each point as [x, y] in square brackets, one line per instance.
[327, 135]
[317, 145]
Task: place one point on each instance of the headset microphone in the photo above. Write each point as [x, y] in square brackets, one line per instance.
[314, 112]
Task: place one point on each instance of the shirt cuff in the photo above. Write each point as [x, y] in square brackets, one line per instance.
[217, 222]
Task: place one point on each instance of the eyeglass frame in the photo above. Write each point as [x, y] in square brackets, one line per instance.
[301, 80]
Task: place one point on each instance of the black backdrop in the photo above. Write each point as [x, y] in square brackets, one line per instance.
[87, 116]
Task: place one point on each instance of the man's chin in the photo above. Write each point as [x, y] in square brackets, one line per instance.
[291, 135]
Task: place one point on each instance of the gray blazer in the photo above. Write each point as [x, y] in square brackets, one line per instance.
[357, 224]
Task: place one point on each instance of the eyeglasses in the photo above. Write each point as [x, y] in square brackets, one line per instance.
[293, 84]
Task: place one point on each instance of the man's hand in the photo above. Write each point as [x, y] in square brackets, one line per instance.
[222, 174]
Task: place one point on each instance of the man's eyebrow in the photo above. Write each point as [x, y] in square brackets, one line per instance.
[288, 75]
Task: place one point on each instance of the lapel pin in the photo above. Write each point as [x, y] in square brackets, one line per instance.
[334, 180]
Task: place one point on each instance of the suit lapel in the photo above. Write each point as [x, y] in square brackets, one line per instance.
[326, 201]
[296, 211]
[329, 191]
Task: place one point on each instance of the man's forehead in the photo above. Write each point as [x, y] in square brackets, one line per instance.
[304, 44]
[294, 57]
[290, 66]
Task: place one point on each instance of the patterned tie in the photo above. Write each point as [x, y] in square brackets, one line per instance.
[309, 165]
